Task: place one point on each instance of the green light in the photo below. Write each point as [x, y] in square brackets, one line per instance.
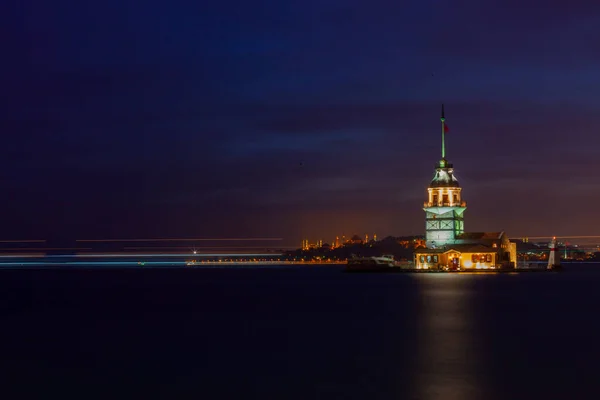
[443, 141]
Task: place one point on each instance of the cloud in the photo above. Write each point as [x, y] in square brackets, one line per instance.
[297, 115]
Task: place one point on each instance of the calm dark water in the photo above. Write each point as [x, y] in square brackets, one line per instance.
[299, 333]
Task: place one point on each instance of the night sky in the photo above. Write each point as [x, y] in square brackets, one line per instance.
[296, 119]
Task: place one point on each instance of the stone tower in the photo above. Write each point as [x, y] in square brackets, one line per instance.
[444, 208]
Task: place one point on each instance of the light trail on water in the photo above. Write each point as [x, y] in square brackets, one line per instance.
[173, 255]
[556, 236]
[180, 240]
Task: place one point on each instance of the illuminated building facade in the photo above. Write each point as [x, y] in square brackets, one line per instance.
[448, 246]
[472, 250]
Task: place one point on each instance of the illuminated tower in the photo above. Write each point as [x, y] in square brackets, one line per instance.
[553, 258]
[444, 207]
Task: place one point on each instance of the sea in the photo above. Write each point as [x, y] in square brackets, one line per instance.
[298, 332]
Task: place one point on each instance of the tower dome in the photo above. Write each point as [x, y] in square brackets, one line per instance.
[444, 176]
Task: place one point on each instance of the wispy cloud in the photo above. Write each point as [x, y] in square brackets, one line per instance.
[296, 113]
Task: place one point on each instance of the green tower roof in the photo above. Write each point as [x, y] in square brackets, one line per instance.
[444, 175]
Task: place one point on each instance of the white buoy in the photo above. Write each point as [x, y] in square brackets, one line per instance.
[553, 258]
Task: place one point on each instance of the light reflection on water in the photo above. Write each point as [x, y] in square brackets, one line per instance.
[447, 365]
[303, 333]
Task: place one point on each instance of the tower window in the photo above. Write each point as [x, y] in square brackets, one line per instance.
[455, 198]
[435, 198]
[445, 198]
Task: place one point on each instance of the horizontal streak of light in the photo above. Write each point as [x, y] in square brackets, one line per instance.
[209, 247]
[164, 263]
[94, 263]
[28, 255]
[176, 240]
[46, 248]
[556, 236]
[171, 255]
[22, 241]
[141, 265]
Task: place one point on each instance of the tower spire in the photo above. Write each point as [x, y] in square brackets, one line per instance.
[443, 132]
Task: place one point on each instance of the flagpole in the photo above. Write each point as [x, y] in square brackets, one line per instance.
[443, 132]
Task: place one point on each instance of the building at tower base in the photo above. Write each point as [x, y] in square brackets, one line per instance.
[472, 250]
[449, 247]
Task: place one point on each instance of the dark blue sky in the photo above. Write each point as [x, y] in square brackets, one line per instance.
[296, 119]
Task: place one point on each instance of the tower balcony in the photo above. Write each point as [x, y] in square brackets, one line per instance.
[447, 204]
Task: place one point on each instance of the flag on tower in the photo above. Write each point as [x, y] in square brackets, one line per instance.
[446, 129]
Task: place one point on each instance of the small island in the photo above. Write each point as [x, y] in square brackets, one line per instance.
[446, 246]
